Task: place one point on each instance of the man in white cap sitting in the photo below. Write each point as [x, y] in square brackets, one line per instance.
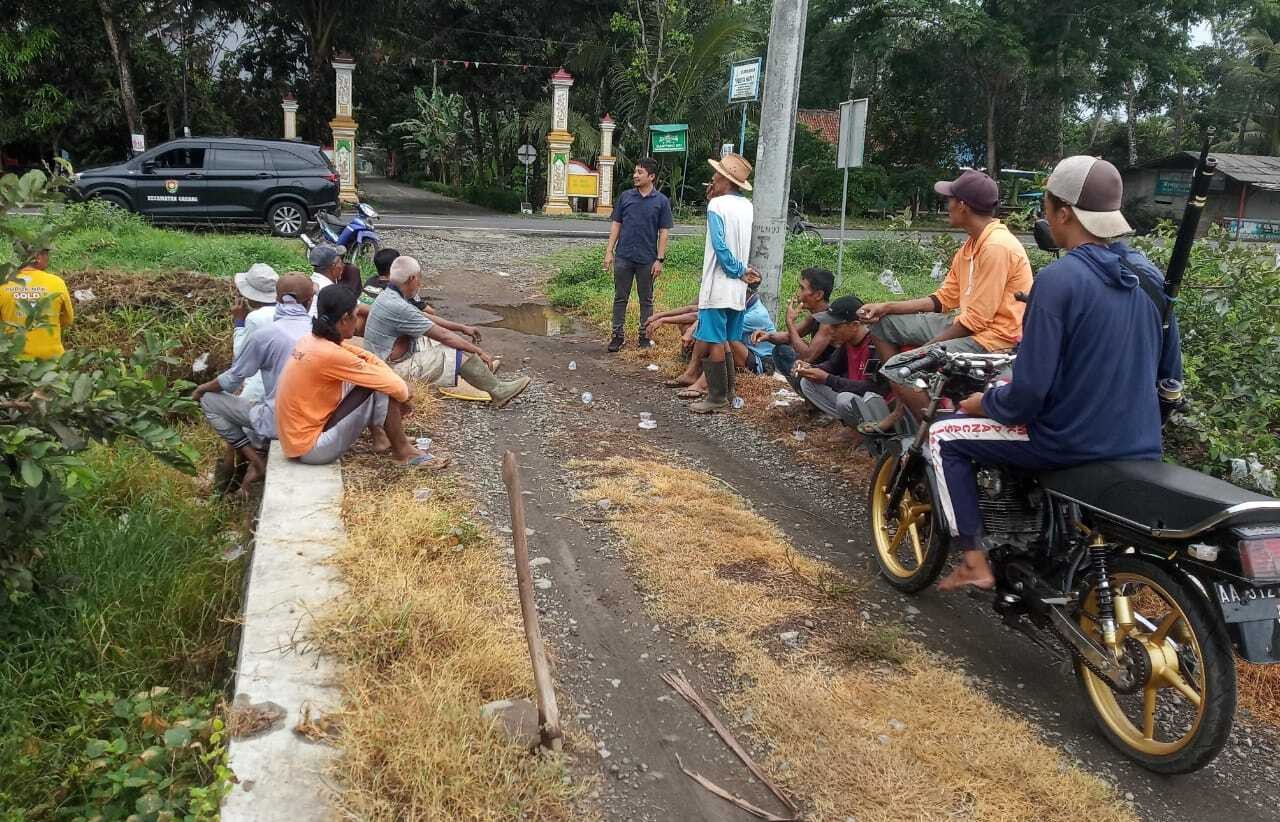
[1084, 389]
[255, 309]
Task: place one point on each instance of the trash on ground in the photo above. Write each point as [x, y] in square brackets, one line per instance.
[233, 553]
[587, 398]
[201, 364]
[798, 435]
[653, 366]
[938, 271]
[84, 295]
[780, 404]
[422, 494]
[738, 402]
[647, 422]
[573, 365]
[889, 281]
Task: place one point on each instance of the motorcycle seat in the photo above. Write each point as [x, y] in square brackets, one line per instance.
[1159, 496]
[333, 220]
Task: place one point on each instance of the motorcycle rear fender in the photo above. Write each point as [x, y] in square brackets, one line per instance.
[367, 237]
[1257, 642]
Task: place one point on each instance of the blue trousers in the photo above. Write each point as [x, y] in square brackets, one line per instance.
[956, 447]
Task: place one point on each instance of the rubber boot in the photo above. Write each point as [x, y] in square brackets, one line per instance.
[501, 392]
[731, 371]
[717, 389]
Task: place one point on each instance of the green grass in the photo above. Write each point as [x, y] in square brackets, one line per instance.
[98, 237]
[135, 596]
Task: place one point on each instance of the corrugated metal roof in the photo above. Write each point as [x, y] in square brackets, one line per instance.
[1259, 170]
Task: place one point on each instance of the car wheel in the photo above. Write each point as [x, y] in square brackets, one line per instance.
[114, 200]
[287, 219]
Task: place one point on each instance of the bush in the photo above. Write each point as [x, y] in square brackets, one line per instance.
[51, 409]
[498, 199]
[1230, 347]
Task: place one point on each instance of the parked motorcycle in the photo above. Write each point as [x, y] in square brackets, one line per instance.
[356, 234]
[1146, 574]
[799, 225]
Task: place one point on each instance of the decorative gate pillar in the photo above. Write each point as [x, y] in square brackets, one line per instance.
[344, 130]
[290, 106]
[559, 141]
[604, 205]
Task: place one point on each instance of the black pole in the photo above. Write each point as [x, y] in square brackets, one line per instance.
[1190, 221]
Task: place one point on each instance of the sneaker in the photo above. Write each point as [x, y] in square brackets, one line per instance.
[615, 345]
[644, 342]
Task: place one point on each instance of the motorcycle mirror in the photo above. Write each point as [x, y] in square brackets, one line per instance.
[1044, 237]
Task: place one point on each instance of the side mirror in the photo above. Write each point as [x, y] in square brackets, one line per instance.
[1044, 237]
[148, 167]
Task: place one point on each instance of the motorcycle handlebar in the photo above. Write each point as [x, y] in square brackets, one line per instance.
[930, 360]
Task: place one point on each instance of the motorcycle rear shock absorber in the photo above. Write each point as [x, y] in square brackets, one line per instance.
[1098, 551]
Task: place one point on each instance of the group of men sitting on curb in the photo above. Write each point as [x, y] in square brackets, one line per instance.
[320, 358]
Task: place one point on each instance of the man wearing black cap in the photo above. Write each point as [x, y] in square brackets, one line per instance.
[832, 384]
[985, 274]
[1084, 385]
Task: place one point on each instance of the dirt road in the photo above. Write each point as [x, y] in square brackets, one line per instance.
[613, 653]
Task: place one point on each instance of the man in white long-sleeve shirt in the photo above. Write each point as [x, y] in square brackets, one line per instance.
[725, 276]
[255, 310]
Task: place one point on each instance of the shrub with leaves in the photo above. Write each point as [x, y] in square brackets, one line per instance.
[1229, 315]
[51, 409]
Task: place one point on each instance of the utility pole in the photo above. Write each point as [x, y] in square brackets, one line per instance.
[774, 148]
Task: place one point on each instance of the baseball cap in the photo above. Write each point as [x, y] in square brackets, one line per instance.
[841, 310]
[323, 255]
[258, 283]
[974, 189]
[1094, 190]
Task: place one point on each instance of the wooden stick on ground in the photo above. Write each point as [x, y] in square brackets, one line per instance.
[728, 797]
[548, 712]
[681, 686]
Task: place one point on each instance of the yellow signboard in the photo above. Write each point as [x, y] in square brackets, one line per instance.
[584, 185]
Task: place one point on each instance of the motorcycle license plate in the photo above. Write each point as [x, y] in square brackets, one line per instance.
[1242, 603]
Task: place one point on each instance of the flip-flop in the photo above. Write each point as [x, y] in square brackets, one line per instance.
[675, 384]
[427, 461]
[691, 394]
[872, 429]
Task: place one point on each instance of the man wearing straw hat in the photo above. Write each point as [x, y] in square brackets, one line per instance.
[725, 276]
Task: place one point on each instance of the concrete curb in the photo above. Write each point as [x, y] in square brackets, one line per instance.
[281, 774]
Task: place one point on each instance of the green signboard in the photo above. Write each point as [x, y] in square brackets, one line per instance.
[669, 139]
[1173, 183]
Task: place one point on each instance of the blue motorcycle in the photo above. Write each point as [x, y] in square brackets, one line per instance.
[356, 234]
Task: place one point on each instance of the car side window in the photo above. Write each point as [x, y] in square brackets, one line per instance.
[183, 157]
[236, 159]
[288, 161]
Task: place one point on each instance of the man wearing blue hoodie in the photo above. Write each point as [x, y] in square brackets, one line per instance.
[1084, 383]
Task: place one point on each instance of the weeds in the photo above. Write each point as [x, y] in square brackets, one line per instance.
[135, 597]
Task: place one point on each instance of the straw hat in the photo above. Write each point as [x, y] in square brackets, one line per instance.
[736, 168]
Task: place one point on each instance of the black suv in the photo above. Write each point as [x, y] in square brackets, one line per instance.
[283, 182]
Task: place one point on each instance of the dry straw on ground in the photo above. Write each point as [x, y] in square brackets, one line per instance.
[875, 740]
[429, 631]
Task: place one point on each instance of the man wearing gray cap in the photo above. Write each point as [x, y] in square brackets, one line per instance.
[328, 268]
[1084, 386]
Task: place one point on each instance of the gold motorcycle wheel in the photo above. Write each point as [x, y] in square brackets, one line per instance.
[1178, 715]
[909, 545]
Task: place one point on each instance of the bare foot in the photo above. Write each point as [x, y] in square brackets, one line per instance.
[683, 381]
[405, 455]
[381, 442]
[252, 474]
[974, 572]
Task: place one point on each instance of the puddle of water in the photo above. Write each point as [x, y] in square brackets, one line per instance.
[529, 318]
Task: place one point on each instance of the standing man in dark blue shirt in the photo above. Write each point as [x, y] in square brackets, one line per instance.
[637, 246]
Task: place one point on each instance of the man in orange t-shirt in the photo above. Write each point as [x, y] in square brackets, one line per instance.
[974, 310]
[18, 299]
[332, 390]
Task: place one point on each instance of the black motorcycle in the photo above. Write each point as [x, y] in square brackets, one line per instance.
[1147, 573]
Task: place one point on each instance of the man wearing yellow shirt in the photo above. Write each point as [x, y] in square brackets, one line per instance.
[974, 310]
[22, 295]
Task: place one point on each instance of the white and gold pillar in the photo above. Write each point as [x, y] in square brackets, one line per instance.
[604, 205]
[559, 141]
[344, 130]
[290, 106]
